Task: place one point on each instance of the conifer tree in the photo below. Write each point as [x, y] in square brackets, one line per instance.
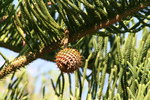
[102, 43]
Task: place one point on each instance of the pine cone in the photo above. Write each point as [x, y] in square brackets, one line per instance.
[68, 60]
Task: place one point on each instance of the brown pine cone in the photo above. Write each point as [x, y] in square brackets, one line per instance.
[68, 60]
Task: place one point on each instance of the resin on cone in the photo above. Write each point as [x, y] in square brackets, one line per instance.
[68, 60]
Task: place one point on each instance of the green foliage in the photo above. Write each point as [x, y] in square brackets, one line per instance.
[15, 92]
[36, 22]
[116, 62]
[115, 74]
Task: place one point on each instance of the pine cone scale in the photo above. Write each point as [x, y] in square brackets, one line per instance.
[68, 60]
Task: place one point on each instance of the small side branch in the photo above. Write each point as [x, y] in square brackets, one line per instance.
[17, 64]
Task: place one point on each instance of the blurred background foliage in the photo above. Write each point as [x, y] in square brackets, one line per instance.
[112, 36]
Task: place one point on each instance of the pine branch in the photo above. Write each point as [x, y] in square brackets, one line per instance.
[17, 64]
[90, 30]
[26, 59]
[19, 14]
[105, 24]
[8, 46]
[96, 28]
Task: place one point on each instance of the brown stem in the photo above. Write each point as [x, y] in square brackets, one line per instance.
[105, 24]
[93, 29]
[26, 59]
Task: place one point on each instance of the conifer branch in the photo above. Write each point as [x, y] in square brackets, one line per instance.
[105, 24]
[17, 64]
[19, 14]
[28, 58]
[96, 28]
[10, 47]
